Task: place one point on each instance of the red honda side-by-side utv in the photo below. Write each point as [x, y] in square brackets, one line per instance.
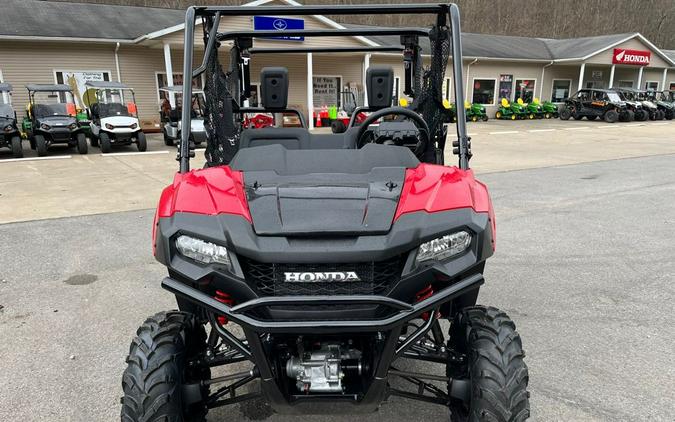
[310, 268]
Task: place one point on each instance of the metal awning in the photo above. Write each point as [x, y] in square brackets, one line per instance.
[48, 87]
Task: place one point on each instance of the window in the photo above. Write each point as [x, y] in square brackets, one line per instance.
[525, 89]
[505, 86]
[561, 90]
[484, 91]
[327, 91]
[447, 88]
[625, 84]
[162, 82]
[672, 85]
[651, 86]
[77, 79]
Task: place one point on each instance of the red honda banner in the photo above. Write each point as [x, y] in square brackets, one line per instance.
[626, 56]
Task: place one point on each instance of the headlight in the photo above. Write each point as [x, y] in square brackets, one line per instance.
[134, 126]
[8, 128]
[109, 126]
[72, 126]
[444, 247]
[45, 126]
[202, 251]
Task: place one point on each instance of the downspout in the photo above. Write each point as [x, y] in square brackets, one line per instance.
[541, 86]
[466, 91]
[117, 63]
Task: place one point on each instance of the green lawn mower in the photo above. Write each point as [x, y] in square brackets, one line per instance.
[475, 112]
[550, 110]
[508, 111]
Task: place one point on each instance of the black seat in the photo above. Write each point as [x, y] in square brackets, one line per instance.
[297, 138]
[290, 138]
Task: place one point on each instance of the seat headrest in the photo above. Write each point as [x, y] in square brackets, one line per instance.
[380, 86]
[274, 87]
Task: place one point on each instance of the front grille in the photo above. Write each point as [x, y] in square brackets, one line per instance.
[376, 278]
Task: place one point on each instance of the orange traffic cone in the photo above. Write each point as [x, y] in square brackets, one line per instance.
[318, 119]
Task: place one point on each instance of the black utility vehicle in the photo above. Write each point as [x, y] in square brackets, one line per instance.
[10, 136]
[645, 99]
[52, 118]
[593, 104]
[664, 102]
[632, 105]
[325, 262]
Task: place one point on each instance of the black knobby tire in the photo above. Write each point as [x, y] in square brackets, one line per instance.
[494, 365]
[104, 140]
[591, 118]
[670, 114]
[167, 141]
[565, 113]
[484, 117]
[82, 147]
[576, 116]
[17, 148]
[157, 369]
[41, 145]
[611, 116]
[660, 115]
[627, 116]
[142, 143]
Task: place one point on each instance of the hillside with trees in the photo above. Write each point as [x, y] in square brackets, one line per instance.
[655, 19]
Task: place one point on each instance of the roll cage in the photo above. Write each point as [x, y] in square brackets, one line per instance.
[422, 85]
[109, 98]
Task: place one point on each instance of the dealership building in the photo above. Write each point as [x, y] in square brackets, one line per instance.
[58, 42]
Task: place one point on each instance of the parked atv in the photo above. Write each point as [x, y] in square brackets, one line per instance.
[508, 111]
[550, 110]
[643, 97]
[310, 268]
[170, 116]
[634, 110]
[449, 112]
[114, 116]
[475, 112]
[664, 103]
[11, 136]
[593, 104]
[51, 118]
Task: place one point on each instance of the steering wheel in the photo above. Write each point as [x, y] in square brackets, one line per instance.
[397, 111]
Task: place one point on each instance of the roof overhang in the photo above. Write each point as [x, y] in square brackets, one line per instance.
[637, 35]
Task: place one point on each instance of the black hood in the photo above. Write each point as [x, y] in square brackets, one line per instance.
[330, 192]
[57, 121]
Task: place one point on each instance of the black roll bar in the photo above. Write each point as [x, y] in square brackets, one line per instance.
[462, 144]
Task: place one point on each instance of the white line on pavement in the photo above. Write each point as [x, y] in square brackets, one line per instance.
[52, 157]
[117, 154]
[505, 132]
[577, 128]
[541, 130]
[660, 124]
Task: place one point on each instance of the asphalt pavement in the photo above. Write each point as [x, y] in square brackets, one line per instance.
[584, 265]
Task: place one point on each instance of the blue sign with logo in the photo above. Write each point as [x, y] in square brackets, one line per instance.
[270, 23]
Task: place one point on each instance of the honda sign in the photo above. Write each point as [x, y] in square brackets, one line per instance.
[626, 56]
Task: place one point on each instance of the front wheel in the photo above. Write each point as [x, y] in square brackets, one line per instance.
[498, 115]
[158, 370]
[41, 145]
[484, 117]
[141, 142]
[81, 143]
[17, 148]
[104, 141]
[565, 114]
[492, 352]
[611, 116]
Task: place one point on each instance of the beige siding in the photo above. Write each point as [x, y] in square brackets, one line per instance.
[606, 56]
[28, 62]
[653, 75]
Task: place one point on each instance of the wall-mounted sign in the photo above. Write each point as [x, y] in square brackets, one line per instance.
[626, 56]
[271, 23]
[596, 74]
[326, 90]
[76, 80]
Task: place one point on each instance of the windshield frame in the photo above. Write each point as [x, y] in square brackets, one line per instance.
[122, 92]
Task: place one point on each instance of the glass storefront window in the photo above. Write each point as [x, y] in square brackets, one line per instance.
[505, 86]
[525, 89]
[484, 91]
[561, 90]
